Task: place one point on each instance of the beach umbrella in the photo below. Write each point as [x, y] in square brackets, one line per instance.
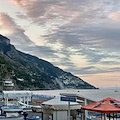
[105, 106]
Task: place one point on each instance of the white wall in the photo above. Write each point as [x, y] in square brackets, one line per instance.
[59, 115]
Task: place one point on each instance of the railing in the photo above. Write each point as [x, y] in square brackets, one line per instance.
[12, 84]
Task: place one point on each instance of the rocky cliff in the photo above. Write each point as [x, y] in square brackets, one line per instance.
[30, 72]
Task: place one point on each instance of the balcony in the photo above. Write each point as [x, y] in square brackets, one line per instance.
[8, 84]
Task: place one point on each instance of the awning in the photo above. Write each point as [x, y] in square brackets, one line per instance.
[14, 94]
[56, 104]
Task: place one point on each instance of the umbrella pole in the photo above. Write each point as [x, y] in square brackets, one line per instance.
[68, 110]
[109, 116]
[101, 116]
[104, 117]
[81, 116]
[113, 116]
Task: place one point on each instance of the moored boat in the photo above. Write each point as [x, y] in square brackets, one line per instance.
[36, 108]
[4, 117]
[12, 108]
[11, 113]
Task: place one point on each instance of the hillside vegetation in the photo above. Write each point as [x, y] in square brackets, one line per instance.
[30, 72]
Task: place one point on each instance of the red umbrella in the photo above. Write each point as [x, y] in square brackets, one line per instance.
[107, 106]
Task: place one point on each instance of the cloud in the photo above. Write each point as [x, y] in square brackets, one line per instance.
[81, 27]
[107, 37]
[41, 51]
[16, 33]
[92, 42]
[9, 23]
[115, 16]
[22, 42]
[59, 13]
[63, 19]
[35, 8]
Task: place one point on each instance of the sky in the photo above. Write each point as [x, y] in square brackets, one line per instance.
[78, 36]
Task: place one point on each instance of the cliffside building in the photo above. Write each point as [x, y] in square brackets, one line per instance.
[8, 84]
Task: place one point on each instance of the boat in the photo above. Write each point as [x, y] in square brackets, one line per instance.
[11, 109]
[5, 117]
[34, 118]
[11, 112]
[36, 108]
[25, 107]
[33, 108]
[2, 117]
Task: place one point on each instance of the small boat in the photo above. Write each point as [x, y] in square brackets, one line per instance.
[12, 108]
[4, 117]
[34, 118]
[30, 107]
[11, 112]
[36, 108]
[25, 107]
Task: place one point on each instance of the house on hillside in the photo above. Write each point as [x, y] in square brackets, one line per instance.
[8, 84]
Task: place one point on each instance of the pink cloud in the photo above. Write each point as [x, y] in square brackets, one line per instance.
[33, 8]
[115, 16]
[20, 3]
[15, 31]
[47, 10]
[56, 11]
[8, 23]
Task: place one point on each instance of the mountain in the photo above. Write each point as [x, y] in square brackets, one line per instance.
[30, 72]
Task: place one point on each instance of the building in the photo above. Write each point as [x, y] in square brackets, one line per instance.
[8, 84]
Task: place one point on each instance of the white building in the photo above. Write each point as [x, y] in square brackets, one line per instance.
[55, 109]
[8, 84]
